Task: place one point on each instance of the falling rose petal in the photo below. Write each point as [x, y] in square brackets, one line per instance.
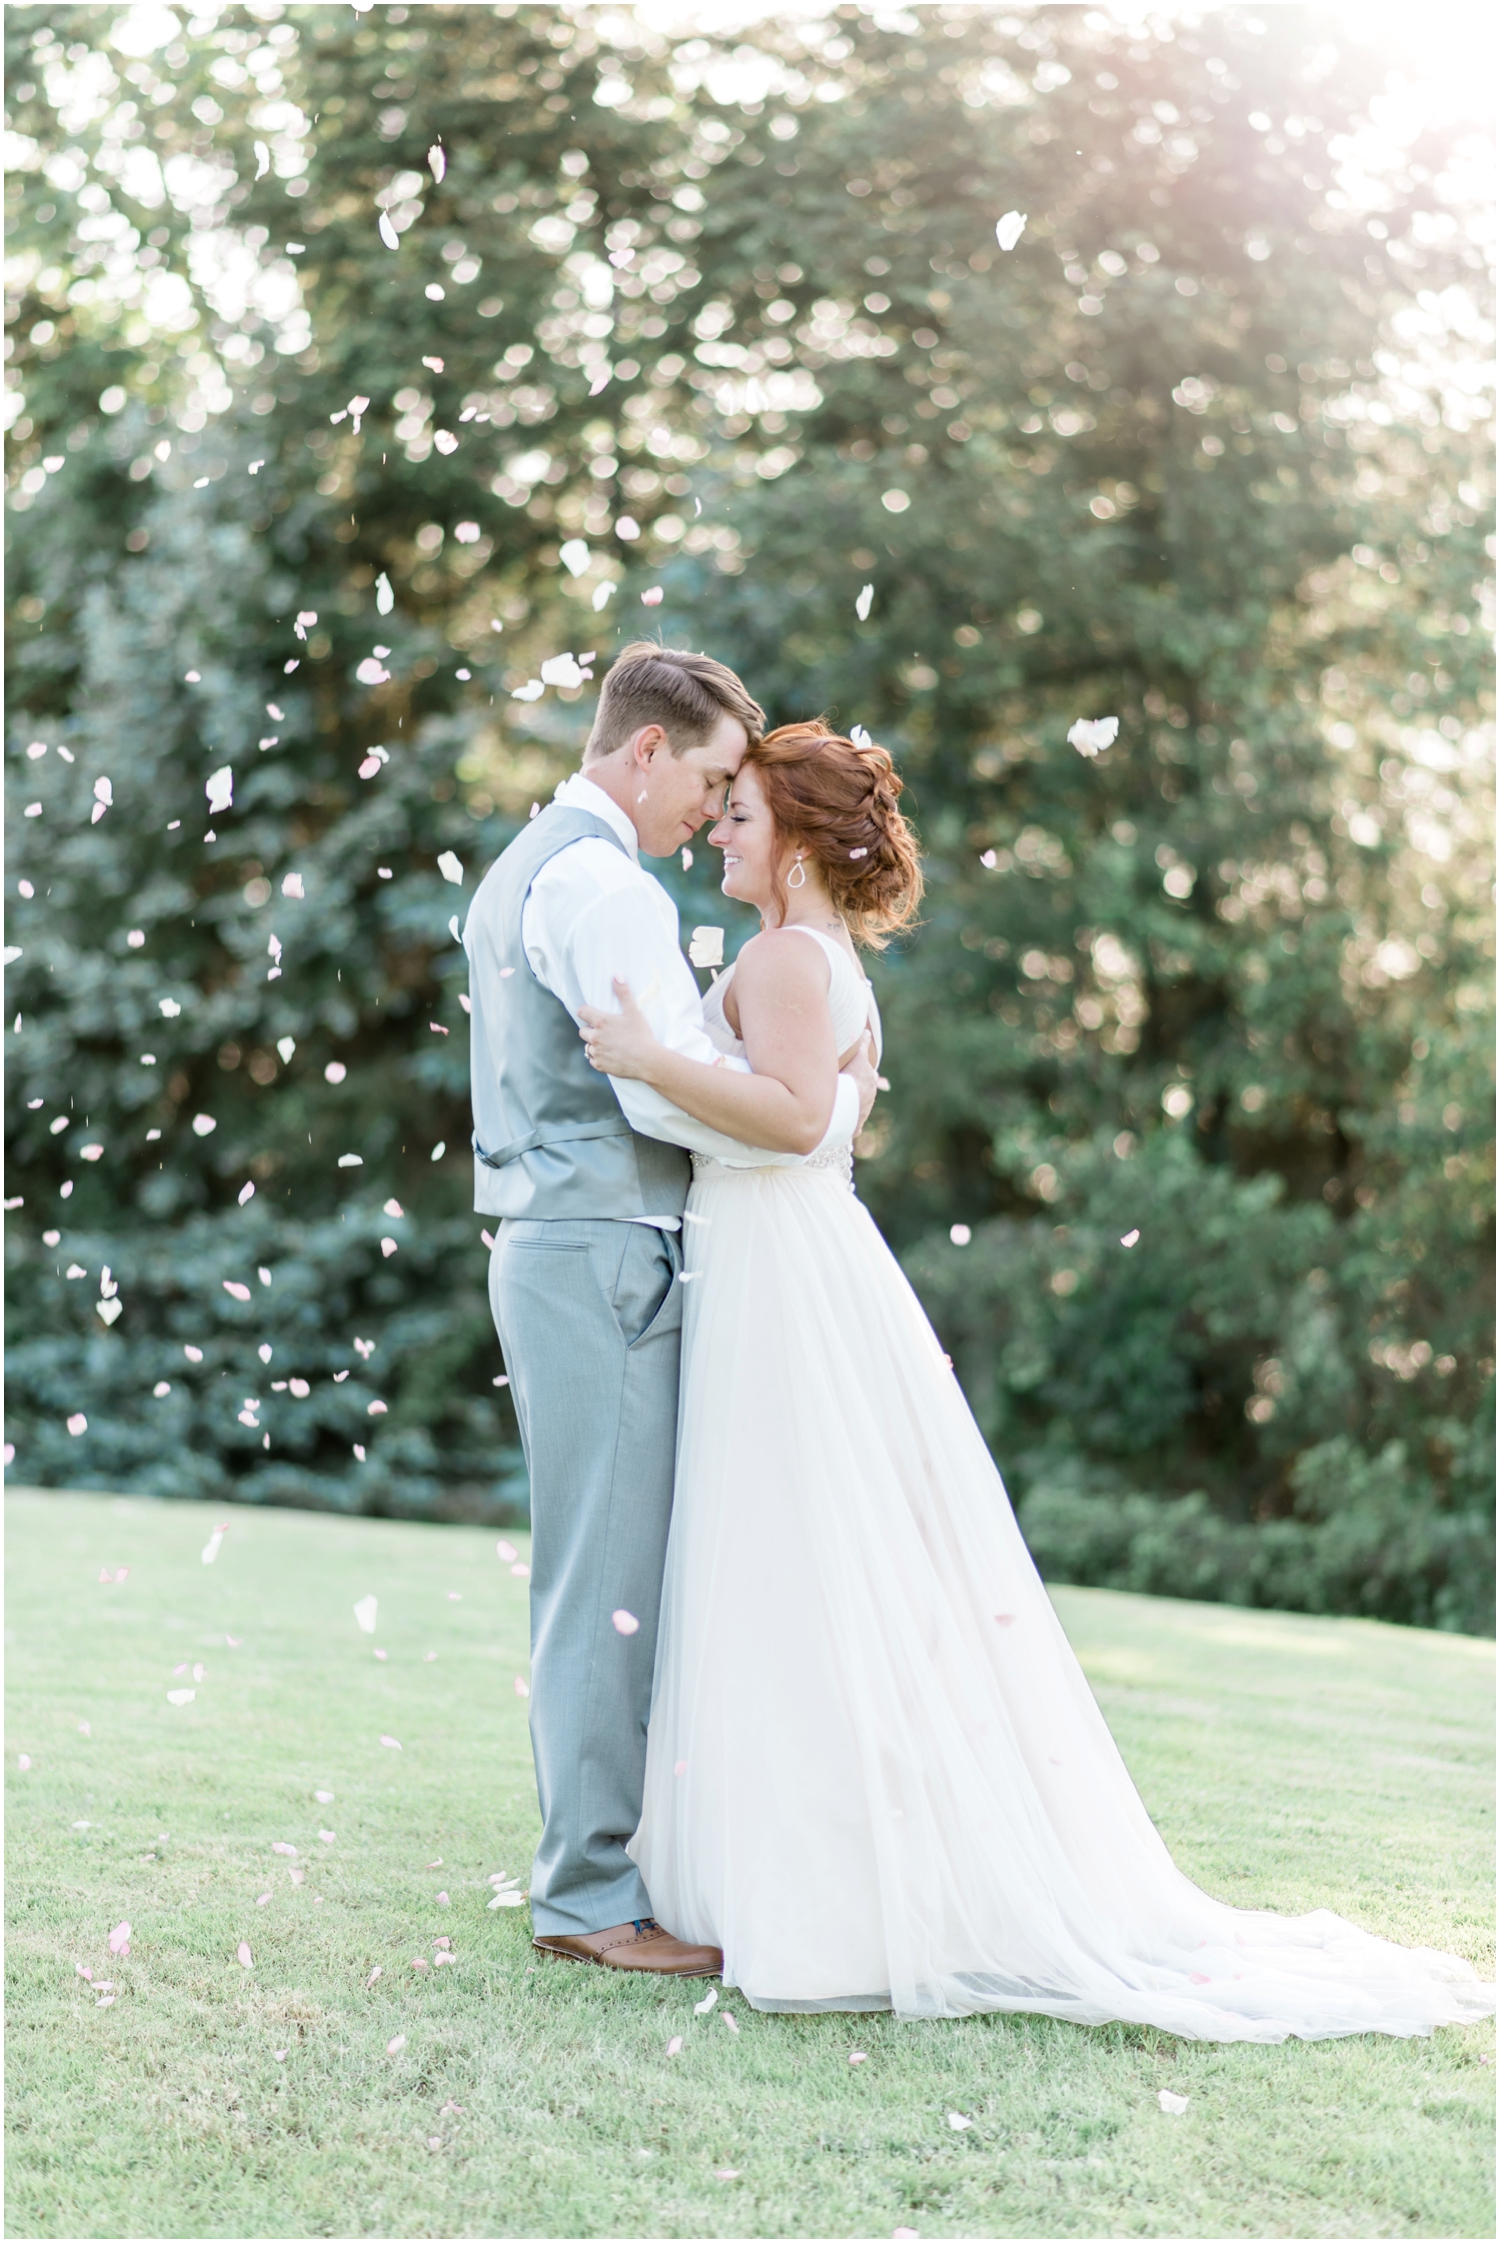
[443, 1901]
[1006, 1619]
[212, 1546]
[262, 158]
[522, 1687]
[119, 1940]
[394, 2046]
[1130, 1238]
[863, 604]
[279, 2055]
[78, 1423]
[987, 859]
[104, 2001]
[247, 1960]
[204, 1125]
[858, 2056]
[701, 2009]
[679, 1767]
[377, 1972]
[365, 1612]
[1092, 737]
[732, 2024]
[193, 1354]
[1174, 2104]
[727, 2172]
[506, 1552]
[904, 2234]
[219, 787]
[706, 946]
[652, 598]
[391, 1744]
[23, 1761]
[450, 868]
[326, 1837]
[280, 1846]
[1009, 229]
[958, 2122]
[860, 737]
[261, 1899]
[674, 2045]
[377, 1409]
[247, 1193]
[625, 1622]
[388, 233]
[522, 1572]
[369, 767]
[234, 1290]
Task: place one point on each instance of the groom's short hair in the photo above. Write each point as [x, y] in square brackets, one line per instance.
[686, 694]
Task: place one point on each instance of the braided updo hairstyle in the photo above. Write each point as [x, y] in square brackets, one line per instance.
[837, 804]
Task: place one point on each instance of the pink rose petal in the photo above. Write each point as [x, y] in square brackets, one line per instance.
[625, 1622]
[247, 1960]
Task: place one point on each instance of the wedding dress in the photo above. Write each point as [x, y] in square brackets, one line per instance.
[876, 1776]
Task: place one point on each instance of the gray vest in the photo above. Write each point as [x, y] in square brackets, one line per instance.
[550, 1140]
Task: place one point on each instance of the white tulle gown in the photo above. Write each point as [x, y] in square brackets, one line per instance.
[876, 1776]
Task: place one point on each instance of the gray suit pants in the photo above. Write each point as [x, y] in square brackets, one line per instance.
[589, 1315]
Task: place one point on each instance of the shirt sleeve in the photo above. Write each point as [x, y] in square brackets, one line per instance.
[633, 933]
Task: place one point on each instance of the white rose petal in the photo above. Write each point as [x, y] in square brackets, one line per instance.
[450, 868]
[1008, 231]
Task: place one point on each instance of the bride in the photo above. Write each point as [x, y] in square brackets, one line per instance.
[876, 1776]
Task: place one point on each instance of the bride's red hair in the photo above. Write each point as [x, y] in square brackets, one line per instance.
[837, 803]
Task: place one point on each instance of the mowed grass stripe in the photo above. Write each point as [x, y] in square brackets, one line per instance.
[1289, 1762]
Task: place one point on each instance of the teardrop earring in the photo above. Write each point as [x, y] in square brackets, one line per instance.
[797, 877]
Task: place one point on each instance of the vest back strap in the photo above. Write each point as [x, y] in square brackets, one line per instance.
[561, 1133]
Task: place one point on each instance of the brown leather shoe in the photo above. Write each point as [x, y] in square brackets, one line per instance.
[642, 1945]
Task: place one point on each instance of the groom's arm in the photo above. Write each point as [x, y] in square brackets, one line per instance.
[632, 932]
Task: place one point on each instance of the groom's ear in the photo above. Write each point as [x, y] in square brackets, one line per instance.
[647, 742]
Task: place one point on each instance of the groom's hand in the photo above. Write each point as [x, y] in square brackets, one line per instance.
[865, 1080]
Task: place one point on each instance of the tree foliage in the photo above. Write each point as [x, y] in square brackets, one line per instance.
[735, 327]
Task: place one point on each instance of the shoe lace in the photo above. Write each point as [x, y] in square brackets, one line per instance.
[645, 1923]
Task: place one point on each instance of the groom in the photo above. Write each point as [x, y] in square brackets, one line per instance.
[589, 1177]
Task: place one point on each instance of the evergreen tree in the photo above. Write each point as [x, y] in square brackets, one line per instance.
[738, 329]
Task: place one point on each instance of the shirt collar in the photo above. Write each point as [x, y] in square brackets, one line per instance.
[580, 793]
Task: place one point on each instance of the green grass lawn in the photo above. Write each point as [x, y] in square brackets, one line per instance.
[1290, 1763]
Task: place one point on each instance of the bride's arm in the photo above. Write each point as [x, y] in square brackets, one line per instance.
[781, 988]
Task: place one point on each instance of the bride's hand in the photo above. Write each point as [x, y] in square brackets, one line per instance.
[619, 1043]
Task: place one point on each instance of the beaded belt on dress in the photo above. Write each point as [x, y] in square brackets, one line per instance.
[838, 1157]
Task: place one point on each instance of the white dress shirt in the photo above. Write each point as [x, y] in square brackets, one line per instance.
[592, 913]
